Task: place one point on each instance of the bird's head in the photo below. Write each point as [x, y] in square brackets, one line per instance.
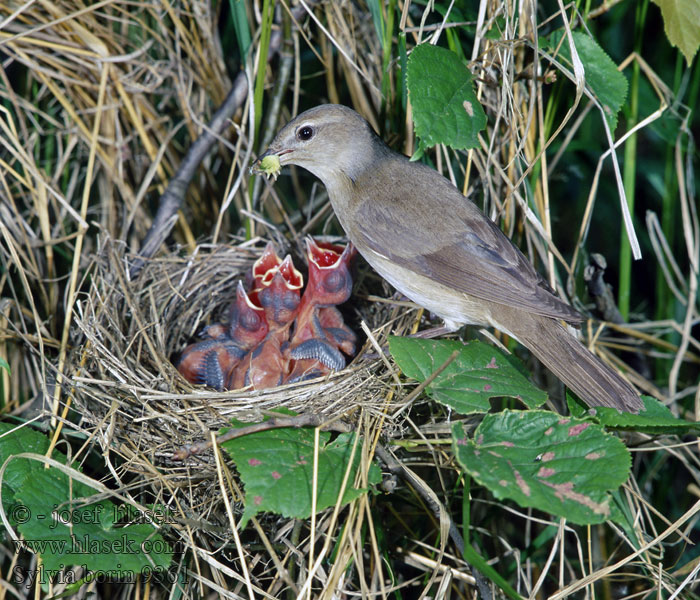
[331, 141]
[330, 281]
[247, 325]
[280, 294]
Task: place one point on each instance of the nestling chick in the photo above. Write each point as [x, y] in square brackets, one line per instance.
[211, 361]
[320, 332]
[279, 297]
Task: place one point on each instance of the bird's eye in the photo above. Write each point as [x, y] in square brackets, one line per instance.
[334, 282]
[290, 300]
[305, 133]
[250, 321]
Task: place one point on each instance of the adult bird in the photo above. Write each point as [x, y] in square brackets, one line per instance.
[437, 248]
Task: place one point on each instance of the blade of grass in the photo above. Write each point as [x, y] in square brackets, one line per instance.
[630, 169]
[241, 27]
[384, 25]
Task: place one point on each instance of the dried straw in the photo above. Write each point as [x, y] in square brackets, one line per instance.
[126, 334]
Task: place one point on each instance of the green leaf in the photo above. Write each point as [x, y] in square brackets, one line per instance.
[5, 365]
[682, 25]
[560, 465]
[16, 440]
[479, 372]
[655, 419]
[58, 520]
[603, 79]
[276, 467]
[445, 107]
[67, 529]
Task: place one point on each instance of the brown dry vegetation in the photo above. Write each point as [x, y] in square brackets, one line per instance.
[100, 102]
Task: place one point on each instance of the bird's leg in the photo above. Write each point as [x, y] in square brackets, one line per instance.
[433, 332]
[426, 334]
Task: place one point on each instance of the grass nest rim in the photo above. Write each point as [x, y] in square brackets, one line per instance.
[127, 332]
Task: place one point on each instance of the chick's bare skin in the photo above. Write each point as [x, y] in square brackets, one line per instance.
[435, 246]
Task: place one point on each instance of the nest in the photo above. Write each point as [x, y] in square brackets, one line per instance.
[126, 333]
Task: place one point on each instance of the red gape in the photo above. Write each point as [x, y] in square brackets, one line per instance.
[268, 261]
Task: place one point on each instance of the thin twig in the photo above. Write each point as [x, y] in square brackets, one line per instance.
[308, 420]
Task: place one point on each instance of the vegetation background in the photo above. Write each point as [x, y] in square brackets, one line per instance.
[102, 104]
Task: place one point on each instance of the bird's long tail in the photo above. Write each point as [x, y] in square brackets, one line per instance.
[592, 380]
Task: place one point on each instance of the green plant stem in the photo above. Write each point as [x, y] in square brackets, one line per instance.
[668, 204]
[265, 32]
[274, 104]
[476, 560]
[471, 555]
[466, 508]
[549, 114]
[386, 52]
[630, 169]
[403, 59]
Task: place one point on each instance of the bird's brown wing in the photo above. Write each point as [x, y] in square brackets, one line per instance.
[455, 243]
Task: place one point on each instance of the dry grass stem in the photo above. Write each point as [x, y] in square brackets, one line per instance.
[100, 102]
